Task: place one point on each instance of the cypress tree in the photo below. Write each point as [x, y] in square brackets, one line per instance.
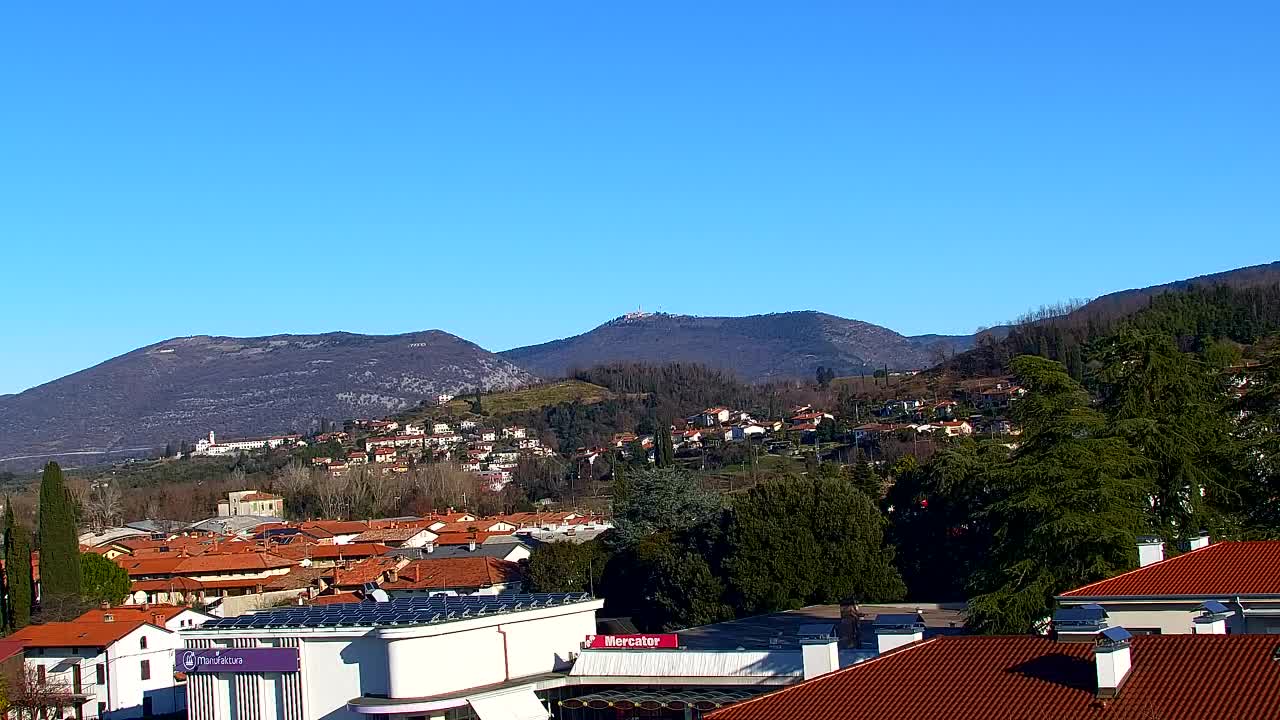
[59, 549]
[17, 565]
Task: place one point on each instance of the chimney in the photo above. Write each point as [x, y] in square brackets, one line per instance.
[393, 575]
[1112, 660]
[431, 547]
[850, 624]
[1198, 542]
[1212, 619]
[105, 605]
[819, 649]
[1150, 550]
[108, 617]
[471, 545]
[893, 630]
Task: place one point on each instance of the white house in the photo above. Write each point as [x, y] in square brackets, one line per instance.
[111, 668]
[251, 502]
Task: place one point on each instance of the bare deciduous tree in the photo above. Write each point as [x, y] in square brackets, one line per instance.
[104, 505]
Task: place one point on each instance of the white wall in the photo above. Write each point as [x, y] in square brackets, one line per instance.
[335, 671]
[125, 689]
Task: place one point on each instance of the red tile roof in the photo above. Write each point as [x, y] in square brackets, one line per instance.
[463, 538]
[1221, 569]
[337, 527]
[332, 552]
[466, 572]
[369, 570]
[1174, 677]
[182, 584]
[400, 534]
[156, 614]
[241, 562]
[334, 599]
[74, 634]
[258, 496]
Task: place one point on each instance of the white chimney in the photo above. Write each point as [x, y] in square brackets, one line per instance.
[819, 649]
[1150, 550]
[431, 547]
[1212, 619]
[472, 545]
[1112, 659]
[1199, 541]
[894, 630]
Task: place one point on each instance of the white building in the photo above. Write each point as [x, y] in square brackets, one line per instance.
[111, 664]
[251, 502]
[490, 658]
[210, 445]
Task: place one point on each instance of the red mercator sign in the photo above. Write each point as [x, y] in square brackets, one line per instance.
[667, 641]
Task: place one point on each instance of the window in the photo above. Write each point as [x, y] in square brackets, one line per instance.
[101, 677]
[142, 642]
[146, 669]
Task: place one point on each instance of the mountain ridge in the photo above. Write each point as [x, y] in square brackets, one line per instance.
[772, 346]
[179, 388]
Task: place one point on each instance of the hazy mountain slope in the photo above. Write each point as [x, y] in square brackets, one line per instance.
[755, 348]
[181, 388]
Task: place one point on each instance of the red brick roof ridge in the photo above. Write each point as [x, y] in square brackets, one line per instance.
[1080, 591]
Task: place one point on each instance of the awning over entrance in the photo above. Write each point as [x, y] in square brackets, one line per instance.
[519, 705]
[658, 699]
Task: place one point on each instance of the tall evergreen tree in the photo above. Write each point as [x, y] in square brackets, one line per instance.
[664, 454]
[1069, 504]
[1168, 406]
[17, 564]
[59, 549]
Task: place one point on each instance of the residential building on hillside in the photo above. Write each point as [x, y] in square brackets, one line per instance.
[210, 446]
[251, 502]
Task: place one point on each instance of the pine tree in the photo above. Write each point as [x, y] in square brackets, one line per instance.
[17, 563]
[664, 455]
[59, 549]
[1071, 502]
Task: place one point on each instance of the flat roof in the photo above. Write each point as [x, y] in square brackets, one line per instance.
[782, 629]
[406, 612]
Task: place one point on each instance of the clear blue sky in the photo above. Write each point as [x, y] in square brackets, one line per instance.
[515, 172]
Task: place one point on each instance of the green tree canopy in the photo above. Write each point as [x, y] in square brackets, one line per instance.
[1069, 506]
[102, 580]
[59, 548]
[567, 566]
[652, 499]
[796, 542]
[17, 565]
[1169, 407]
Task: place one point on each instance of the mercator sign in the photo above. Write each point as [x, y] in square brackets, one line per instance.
[663, 641]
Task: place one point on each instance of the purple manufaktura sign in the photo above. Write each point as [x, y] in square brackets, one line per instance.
[232, 660]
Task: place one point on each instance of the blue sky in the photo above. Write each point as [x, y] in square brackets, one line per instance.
[516, 172]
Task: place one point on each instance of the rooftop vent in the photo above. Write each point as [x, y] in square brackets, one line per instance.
[1150, 550]
[1079, 624]
[893, 630]
[1212, 619]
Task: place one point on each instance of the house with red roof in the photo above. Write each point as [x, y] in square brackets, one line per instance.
[1111, 676]
[396, 537]
[1168, 595]
[105, 667]
[454, 576]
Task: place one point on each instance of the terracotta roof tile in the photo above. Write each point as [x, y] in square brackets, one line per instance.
[1174, 677]
[334, 599]
[462, 538]
[1221, 569]
[466, 572]
[332, 552]
[153, 613]
[75, 634]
